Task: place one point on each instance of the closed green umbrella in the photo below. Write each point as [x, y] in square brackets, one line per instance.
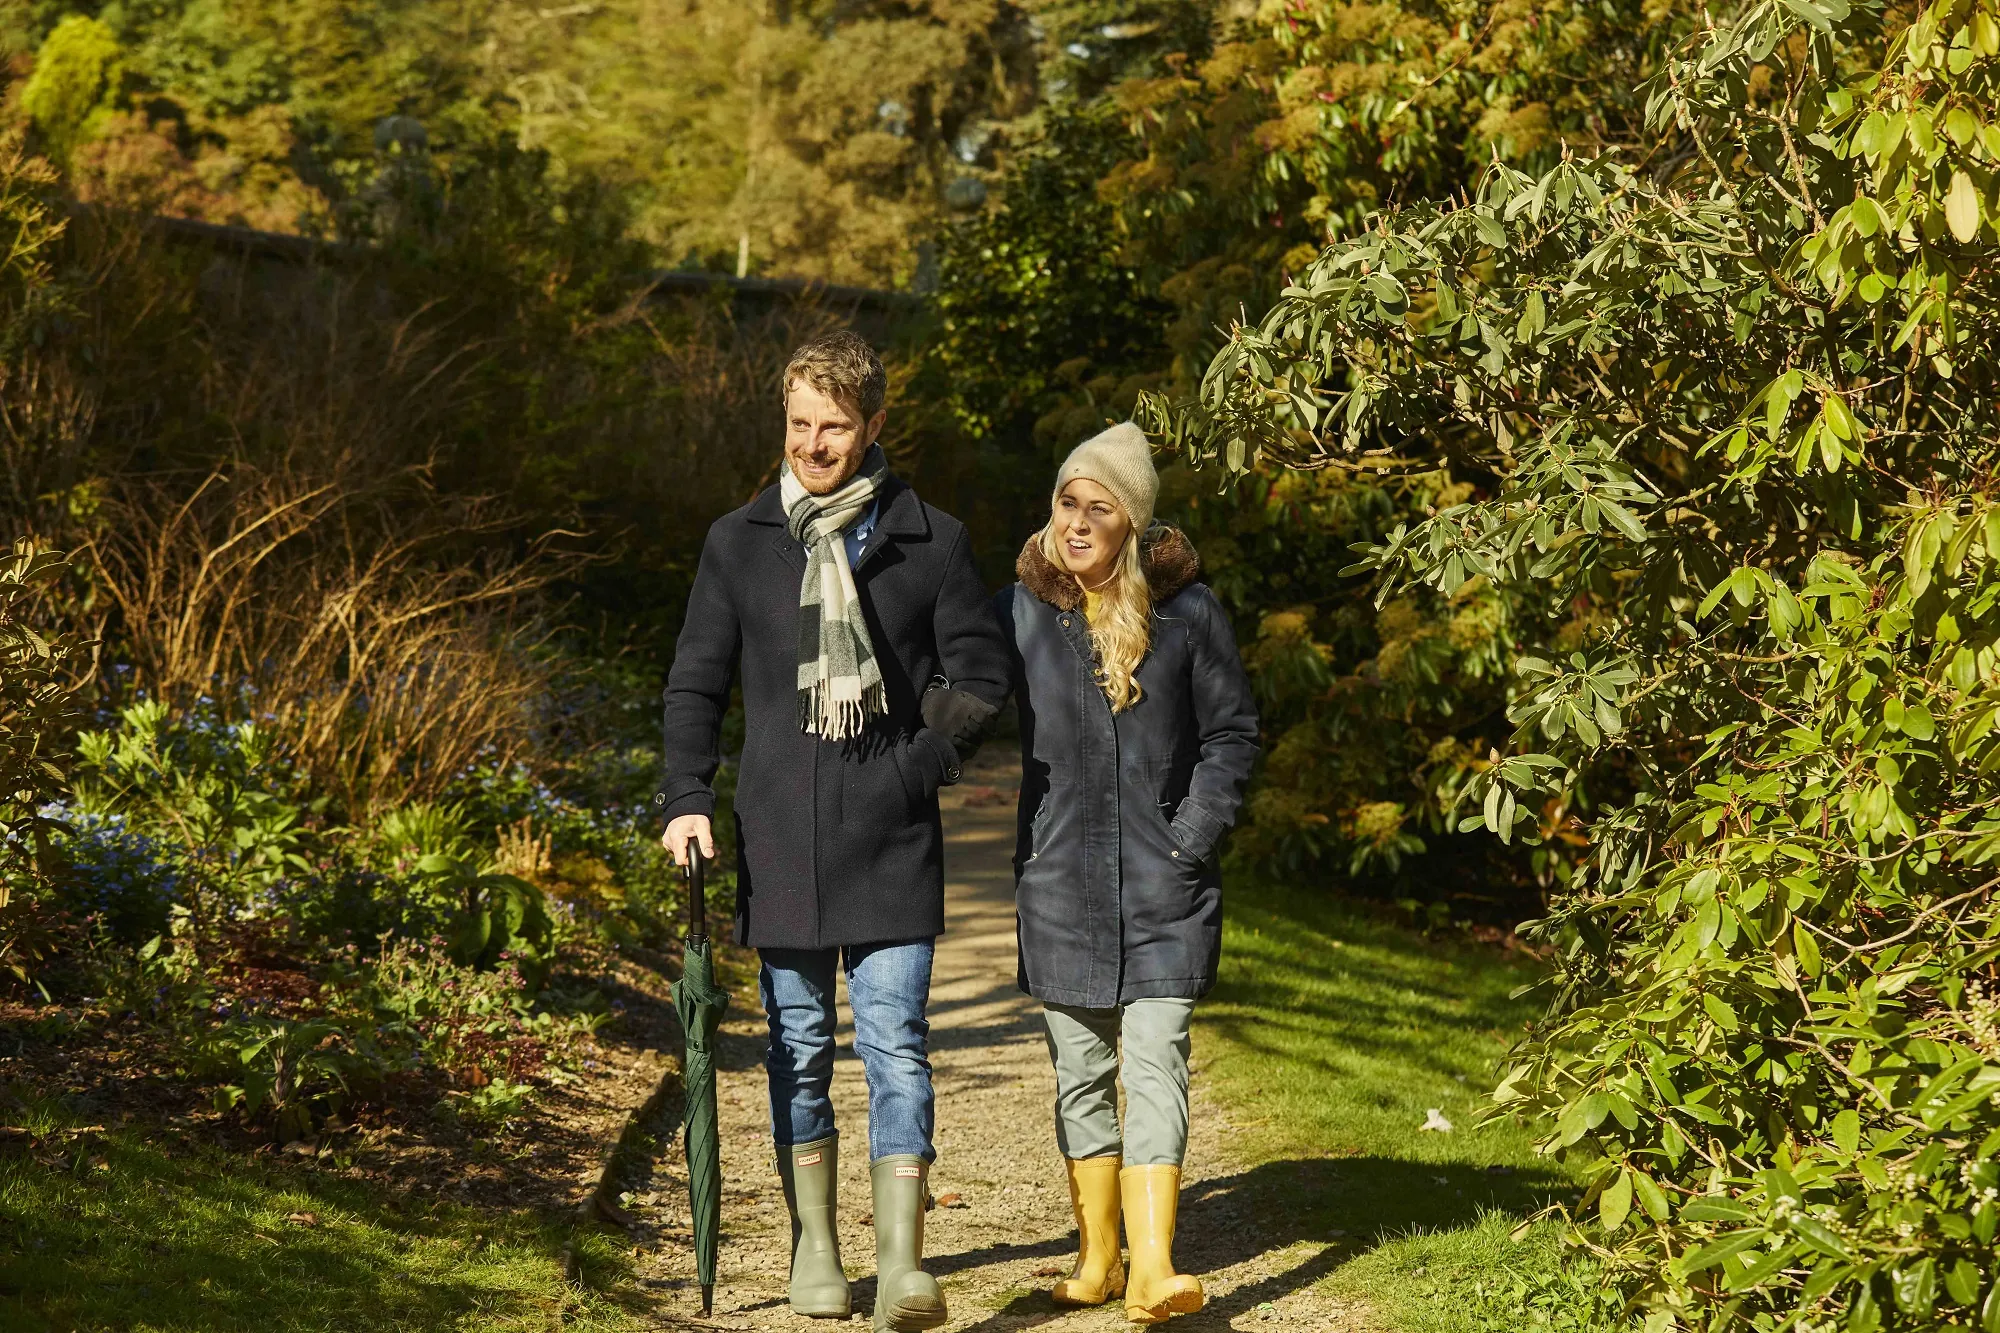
[701, 1004]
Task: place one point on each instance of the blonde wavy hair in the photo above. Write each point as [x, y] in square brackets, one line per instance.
[1126, 631]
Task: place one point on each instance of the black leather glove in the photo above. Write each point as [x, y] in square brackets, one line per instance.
[959, 717]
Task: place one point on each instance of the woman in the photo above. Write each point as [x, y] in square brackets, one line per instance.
[1137, 736]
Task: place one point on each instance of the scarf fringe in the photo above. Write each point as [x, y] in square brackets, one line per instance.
[823, 714]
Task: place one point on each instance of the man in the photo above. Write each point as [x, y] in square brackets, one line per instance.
[871, 662]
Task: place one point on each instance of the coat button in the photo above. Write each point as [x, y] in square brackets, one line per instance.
[1065, 622]
[1177, 851]
[659, 798]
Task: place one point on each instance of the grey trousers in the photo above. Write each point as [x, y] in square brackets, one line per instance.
[1084, 1043]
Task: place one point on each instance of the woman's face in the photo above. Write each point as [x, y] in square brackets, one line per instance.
[1091, 528]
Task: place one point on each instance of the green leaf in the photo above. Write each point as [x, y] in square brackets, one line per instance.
[1716, 1208]
[1744, 1279]
[1615, 1202]
[1961, 207]
[1721, 1248]
[1623, 519]
[1846, 1131]
[1962, 1283]
[1820, 1236]
[1914, 1286]
[1864, 1316]
[1805, 949]
[1651, 1197]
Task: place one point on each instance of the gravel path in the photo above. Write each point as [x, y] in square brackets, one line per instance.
[1003, 1231]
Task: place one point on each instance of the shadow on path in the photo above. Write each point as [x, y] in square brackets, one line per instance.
[1323, 1211]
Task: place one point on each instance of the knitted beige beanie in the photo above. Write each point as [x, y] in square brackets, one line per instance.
[1121, 461]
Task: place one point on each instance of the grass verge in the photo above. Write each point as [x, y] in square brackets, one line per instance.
[108, 1229]
[1333, 1037]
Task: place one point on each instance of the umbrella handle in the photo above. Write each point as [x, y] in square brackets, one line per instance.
[697, 878]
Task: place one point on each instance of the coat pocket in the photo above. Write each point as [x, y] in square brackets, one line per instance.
[915, 794]
[1180, 850]
[1038, 827]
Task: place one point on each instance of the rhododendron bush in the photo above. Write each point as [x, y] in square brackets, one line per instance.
[1740, 398]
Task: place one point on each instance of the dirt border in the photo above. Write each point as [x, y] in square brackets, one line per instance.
[647, 1133]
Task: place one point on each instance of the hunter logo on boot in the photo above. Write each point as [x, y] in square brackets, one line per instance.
[810, 1159]
[909, 1171]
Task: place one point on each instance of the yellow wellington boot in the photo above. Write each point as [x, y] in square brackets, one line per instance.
[1153, 1290]
[1099, 1274]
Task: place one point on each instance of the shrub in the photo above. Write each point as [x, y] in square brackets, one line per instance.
[285, 1068]
[1744, 406]
[117, 876]
[316, 590]
[180, 810]
[199, 793]
[605, 859]
[347, 1027]
[77, 75]
[475, 1027]
[38, 710]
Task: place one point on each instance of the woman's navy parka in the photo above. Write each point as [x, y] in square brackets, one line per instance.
[1117, 889]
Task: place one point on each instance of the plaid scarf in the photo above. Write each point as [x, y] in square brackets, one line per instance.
[840, 686]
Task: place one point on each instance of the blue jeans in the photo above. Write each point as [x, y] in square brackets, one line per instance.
[888, 986]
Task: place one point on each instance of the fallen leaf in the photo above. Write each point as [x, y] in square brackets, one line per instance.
[1434, 1120]
[868, 1219]
[1051, 1270]
[303, 1219]
[953, 1200]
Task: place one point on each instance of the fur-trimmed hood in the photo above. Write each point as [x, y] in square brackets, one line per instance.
[1169, 558]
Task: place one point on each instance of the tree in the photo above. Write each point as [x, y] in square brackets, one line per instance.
[1147, 219]
[77, 75]
[1743, 408]
[810, 139]
[1306, 119]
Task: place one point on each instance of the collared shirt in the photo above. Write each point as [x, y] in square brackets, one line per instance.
[860, 532]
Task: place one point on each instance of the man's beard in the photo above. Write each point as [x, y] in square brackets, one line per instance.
[827, 483]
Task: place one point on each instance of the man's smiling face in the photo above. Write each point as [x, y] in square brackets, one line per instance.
[825, 438]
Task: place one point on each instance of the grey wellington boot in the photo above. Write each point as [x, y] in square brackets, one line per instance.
[906, 1297]
[819, 1284]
